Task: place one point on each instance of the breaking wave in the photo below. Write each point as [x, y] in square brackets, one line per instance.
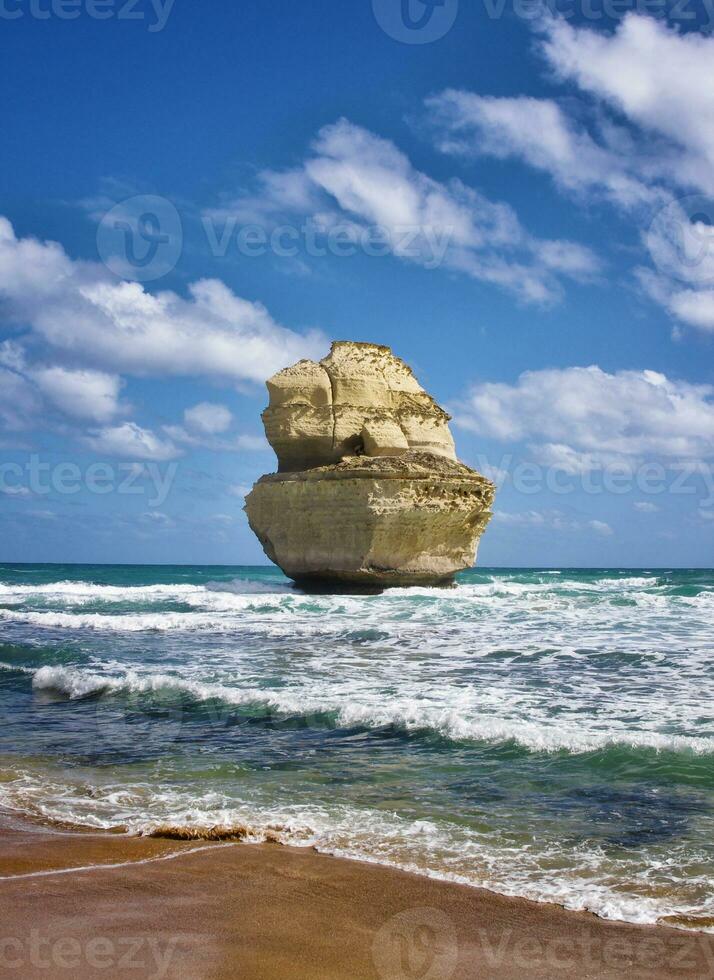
[405, 714]
[540, 733]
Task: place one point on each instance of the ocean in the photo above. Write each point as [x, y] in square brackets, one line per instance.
[547, 734]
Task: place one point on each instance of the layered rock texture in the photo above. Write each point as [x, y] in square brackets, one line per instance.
[368, 490]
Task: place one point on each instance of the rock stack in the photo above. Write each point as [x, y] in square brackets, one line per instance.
[368, 490]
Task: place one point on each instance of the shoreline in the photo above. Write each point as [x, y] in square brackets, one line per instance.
[76, 899]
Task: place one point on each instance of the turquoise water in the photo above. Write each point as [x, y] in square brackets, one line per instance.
[542, 733]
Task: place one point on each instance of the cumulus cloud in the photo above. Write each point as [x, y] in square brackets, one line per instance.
[205, 427]
[659, 79]
[231, 443]
[357, 180]
[645, 137]
[208, 418]
[19, 401]
[601, 527]
[12, 355]
[78, 308]
[573, 462]
[692, 306]
[583, 418]
[645, 507]
[132, 442]
[33, 393]
[84, 394]
[539, 132]
[681, 243]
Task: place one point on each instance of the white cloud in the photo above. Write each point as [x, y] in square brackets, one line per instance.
[646, 136]
[563, 457]
[12, 355]
[158, 519]
[646, 507]
[539, 132]
[356, 180]
[19, 401]
[681, 243]
[692, 306]
[198, 438]
[552, 520]
[659, 79]
[587, 417]
[80, 309]
[239, 490]
[29, 393]
[601, 527]
[80, 394]
[131, 441]
[208, 418]
[16, 491]
[695, 307]
[661, 82]
[225, 519]
[532, 517]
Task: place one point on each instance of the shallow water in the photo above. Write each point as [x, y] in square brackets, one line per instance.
[542, 733]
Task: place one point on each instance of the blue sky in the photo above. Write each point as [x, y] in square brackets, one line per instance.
[518, 202]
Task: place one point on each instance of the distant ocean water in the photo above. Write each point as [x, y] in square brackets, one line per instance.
[548, 734]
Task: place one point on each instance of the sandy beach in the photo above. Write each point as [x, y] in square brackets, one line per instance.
[86, 905]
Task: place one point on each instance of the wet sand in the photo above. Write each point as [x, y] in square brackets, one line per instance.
[235, 910]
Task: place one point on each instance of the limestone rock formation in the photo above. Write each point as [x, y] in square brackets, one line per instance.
[368, 489]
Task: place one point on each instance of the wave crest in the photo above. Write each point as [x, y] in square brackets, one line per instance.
[406, 714]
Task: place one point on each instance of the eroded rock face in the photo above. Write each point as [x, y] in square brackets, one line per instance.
[360, 398]
[369, 490]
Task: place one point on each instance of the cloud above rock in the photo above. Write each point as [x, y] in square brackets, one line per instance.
[356, 180]
[81, 310]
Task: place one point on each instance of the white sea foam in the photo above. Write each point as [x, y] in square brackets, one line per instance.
[586, 880]
[240, 586]
[72, 593]
[461, 723]
[91, 590]
[552, 663]
[129, 622]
